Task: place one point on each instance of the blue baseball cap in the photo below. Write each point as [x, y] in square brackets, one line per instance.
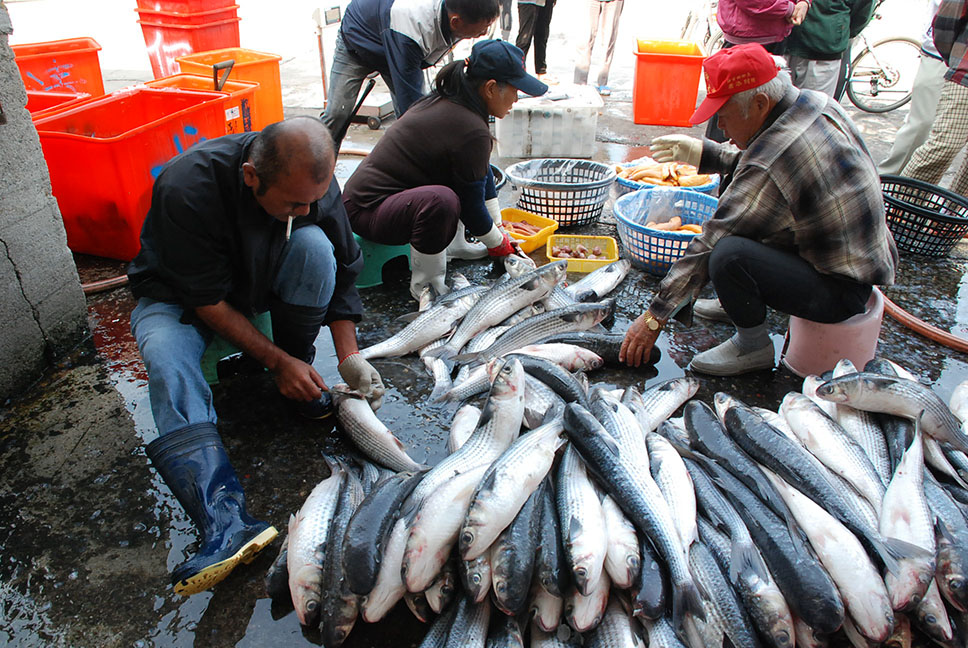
[502, 61]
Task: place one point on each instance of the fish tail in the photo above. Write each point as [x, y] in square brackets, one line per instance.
[744, 559]
[686, 601]
[444, 353]
[467, 358]
[440, 391]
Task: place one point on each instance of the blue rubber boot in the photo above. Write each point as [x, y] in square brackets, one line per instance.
[193, 463]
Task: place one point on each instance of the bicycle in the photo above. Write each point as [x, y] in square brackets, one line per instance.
[701, 27]
[881, 77]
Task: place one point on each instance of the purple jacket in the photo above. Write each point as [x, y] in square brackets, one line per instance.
[755, 21]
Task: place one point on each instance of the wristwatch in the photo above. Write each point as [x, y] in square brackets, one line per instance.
[651, 322]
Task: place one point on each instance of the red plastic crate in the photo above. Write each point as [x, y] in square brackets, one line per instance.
[166, 43]
[184, 6]
[238, 107]
[178, 18]
[43, 104]
[104, 155]
[249, 65]
[69, 65]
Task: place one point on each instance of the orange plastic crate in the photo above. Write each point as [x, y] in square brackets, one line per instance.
[249, 65]
[69, 65]
[238, 106]
[180, 18]
[42, 104]
[666, 82]
[104, 155]
[184, 6]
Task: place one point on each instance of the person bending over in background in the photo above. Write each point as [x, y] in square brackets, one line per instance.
[398, 39]
[239, 225]
[800, 227]
[430, 170]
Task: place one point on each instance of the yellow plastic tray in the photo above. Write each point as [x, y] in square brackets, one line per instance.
[607, 243]
[529, 243]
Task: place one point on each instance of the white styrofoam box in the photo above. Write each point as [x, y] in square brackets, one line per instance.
[550, 126]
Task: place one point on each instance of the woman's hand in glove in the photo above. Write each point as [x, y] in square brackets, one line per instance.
[362, 377]
[677, 148]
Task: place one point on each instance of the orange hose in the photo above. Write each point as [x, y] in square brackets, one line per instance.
[921, 327]
[104, 284]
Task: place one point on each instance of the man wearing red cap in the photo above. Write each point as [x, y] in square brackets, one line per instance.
[800, 223]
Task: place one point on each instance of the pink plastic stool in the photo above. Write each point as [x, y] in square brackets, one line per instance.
[813, 348]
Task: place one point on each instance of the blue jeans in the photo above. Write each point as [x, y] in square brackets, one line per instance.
[172, 351]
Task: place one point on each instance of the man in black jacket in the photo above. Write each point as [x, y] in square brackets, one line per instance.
[239, 225]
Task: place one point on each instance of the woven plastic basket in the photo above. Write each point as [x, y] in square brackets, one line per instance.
[499, 178]
[624, 186]
[924, 218]
[572, 192]
[656, 250]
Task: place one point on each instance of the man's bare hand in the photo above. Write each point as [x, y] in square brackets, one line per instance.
[298, 380]
[799, 13]
[638, 343]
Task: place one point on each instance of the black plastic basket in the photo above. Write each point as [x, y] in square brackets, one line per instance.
[924, 218]
[571, 192]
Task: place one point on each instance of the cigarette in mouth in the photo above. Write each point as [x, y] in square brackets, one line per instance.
[289, 227]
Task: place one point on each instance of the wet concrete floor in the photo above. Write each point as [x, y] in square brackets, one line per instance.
[88, 532]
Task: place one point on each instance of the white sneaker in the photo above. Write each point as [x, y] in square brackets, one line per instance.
[710, 309]
[727, 360]
[460, 248]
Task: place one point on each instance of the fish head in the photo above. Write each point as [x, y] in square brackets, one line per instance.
[506, 376]
[588, 360]
[306, 594]
[837, 390]
[552, 273]
[516, 266]
[843, 367]
[954, 585]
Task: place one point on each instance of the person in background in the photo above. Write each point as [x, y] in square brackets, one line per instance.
[398, 39]
[800, 228]
[815, 48]
[430, 170]
[239, 225]
[924, 101]
[603, 17]
[534, 23]
[949, 132]
[767, 22]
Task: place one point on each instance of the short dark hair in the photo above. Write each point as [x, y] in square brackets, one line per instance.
[474, 11]
[272, 158]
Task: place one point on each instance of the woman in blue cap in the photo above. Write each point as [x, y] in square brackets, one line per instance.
[431, 173]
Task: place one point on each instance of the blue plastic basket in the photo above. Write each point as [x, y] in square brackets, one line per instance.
[655, 250]
[624, 186]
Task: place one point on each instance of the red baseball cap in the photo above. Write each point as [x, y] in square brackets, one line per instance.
[730, 71]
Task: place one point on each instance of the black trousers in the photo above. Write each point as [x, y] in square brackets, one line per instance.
[535, 23]
[750, 276]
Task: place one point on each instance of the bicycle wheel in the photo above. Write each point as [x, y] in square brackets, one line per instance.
[882, 75]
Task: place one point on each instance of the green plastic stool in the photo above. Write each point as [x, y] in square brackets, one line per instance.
[220, 348]
[375, 255]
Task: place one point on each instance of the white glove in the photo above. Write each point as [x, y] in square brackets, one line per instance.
[677, 148]
[362, 377]
[494, 209]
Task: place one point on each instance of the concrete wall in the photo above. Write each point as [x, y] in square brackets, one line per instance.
[42, 309]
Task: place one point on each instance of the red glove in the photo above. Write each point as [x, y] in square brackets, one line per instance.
[502, 250]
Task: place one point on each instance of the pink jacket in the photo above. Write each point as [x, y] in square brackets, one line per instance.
[755, 21]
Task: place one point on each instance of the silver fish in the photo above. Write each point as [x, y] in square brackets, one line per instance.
[432, 324]
[622, 556]
[368, 432]
[389, 588]
[585, 611]
[508, 483]
[933, 616]
[462, 427]
[469, 629]
[546, 609]
[905, 515]
[878, 393]
[662, 634]
[442, 591]
[673, 480]
[527, 312]
[958, 403]
[308, 530]
[582, 522]
[501, 301]
[661, 400]
[339, 607]
[438, 369]
[861, 586]
[616, 629]
[810, 384]
[600, 282]
[725, 614]
[475, 575]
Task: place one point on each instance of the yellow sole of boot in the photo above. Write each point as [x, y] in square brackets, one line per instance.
[214, 574]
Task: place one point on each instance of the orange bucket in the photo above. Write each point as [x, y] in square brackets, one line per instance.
[238, 107]
[666, 82]
[249, 65]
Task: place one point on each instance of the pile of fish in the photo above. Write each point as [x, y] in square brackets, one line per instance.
[571, 514]
[843, 516]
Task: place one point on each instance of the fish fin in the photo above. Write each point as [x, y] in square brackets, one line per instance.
[444, 353]
[440, 392]
[686, 600]
[744, 560]
[467, 358]
[893, 550]
[408, 317]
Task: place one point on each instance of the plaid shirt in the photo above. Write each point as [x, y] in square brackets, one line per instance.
[806, 184]
[951, 38]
